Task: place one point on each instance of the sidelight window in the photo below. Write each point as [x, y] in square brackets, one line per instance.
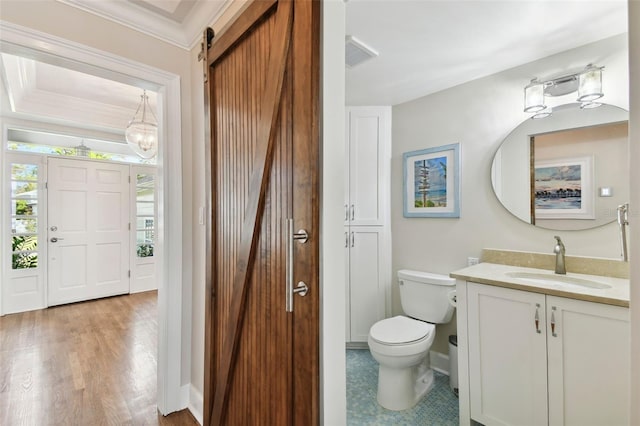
[24, 215]
[145, 214]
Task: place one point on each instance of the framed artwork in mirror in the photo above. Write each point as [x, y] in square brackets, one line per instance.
[431, 183]
[563, 188]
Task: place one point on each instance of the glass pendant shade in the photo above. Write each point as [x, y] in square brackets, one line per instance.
[142, 131]
[542, 114]
[82, 150]
[590, 105]
[590, 84]
[534, 97]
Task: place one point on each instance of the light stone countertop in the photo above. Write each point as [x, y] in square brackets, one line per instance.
[496, 275]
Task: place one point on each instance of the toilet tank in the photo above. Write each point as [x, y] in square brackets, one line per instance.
[425, 296]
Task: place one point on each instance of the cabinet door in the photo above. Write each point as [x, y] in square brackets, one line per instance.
[347, 289]
[589, 363]
[368, 138]
[507, 356]
[366, 283]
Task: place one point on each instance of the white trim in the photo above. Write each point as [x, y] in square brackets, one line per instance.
[184, 35]
[196, 403]
[439, 362]
[16, 38]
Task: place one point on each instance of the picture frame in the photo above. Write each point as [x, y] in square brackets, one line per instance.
[431, 182]
[563, 188]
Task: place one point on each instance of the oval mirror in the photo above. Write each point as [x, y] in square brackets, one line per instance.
[568, 171]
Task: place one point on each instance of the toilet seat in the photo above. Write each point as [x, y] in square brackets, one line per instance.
[400, 330]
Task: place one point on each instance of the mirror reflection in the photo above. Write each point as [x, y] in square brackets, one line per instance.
[569, 171]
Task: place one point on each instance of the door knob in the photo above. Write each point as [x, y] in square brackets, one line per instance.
[302, 289]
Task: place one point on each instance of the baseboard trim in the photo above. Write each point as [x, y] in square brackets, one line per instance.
[357, 345]
[184, 396]
[196, 403]
[439, 362]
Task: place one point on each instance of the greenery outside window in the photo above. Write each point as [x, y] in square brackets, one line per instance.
[24, 216]
[145, 215]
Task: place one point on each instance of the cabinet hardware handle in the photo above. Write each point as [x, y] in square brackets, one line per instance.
[353, 212]
[536, 318]
[346, 212]
[353, 239]
[346, 239]
[553, 322]
[302, 236]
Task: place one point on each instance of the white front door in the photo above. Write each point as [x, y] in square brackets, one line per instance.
[88, 234]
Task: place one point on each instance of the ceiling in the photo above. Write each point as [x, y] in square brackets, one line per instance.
[427, 46]
[424, 47]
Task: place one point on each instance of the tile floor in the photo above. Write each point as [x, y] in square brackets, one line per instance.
[439, 407]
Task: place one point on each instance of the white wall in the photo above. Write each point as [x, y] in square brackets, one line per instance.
[479, 115]
[634, 137]
[332, 264]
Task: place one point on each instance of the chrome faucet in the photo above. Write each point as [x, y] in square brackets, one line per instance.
[559, 250]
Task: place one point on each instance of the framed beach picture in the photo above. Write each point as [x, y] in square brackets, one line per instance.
[563, 188]
[431, 183]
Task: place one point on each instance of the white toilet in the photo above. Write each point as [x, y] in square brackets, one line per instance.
[401, 344]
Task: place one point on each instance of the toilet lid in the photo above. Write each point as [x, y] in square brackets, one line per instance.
[399, 330]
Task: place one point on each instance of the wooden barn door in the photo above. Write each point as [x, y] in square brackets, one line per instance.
[261, 95]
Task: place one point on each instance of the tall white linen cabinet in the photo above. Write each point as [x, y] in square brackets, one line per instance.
[367, 239]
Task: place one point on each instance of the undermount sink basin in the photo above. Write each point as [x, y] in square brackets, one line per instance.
[550, 278]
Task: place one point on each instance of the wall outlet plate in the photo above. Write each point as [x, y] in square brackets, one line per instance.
[472, 261]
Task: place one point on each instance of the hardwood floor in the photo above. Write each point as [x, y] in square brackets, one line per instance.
[89, 363]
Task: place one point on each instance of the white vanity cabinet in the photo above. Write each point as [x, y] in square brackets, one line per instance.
[536, 359]
[589, 363]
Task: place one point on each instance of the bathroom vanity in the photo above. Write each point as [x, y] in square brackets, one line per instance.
[539, 348]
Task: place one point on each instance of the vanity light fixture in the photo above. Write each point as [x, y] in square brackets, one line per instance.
[142, 131]
[587, 82]
[534, 96]
[590, 84]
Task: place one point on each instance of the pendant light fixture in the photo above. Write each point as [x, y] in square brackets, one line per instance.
[82, 150]
[142, 131]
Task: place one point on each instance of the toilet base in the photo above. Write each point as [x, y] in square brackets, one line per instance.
[401, 389]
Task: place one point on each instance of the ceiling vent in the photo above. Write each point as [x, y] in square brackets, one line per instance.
[356, 52]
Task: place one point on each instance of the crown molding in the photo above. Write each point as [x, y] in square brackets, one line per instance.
[184, 35]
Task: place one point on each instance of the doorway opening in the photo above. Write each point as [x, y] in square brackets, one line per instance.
[25, 42]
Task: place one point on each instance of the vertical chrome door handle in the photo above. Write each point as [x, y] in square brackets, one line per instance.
[553, 322]
[346, 239]
[301, 237]
[346, 212]
[353, 240]
[353, 212]
[536, 319]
